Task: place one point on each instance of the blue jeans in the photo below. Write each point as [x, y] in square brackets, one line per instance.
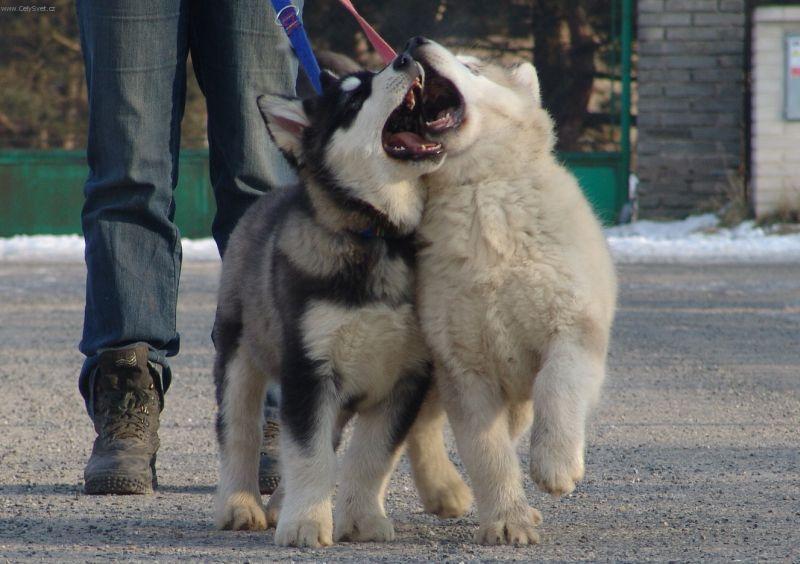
[135, 52]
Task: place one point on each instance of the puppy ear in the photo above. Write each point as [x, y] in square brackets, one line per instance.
[286, 120]
[327, 78]
[525, 75]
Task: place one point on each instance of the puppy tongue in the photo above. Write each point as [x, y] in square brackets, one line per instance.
[410, 142]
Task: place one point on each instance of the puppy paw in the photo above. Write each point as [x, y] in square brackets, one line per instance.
[309, 533]
[363, 528]
[241, 512]
[556, 470]
[517, 529]
[448, 499]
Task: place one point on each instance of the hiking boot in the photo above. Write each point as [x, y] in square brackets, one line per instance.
[268, 469]
[126, 408]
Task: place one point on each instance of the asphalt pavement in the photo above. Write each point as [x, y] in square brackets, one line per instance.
[694, 450]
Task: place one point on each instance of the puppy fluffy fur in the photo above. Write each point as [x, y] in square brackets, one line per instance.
[313, 297]
[516, 294]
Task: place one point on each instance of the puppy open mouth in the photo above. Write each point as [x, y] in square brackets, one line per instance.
[402, 134]
[442, 103]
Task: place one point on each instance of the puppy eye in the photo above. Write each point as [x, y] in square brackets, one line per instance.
[353, 101]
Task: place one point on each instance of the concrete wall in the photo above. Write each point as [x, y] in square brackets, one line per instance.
[691, 104]
[775, 141]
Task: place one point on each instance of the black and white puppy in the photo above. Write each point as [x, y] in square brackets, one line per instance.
[317, 292]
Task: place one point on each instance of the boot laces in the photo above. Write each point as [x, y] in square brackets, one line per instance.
[126, 414]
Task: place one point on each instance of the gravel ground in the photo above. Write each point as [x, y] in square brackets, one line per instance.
[694, 451]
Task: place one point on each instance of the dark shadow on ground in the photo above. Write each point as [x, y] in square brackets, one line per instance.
[192, 489]
[77, 489]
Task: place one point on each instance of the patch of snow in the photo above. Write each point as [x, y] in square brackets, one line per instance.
[200, 250]
[695, 240]
[698, 240]
[38, 248]
[69, 248]
[665, 229]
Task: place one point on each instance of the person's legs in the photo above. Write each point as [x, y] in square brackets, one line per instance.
[239, 52]
[135, 55]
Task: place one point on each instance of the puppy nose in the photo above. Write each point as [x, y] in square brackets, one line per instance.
[415, 42]
[403, 61]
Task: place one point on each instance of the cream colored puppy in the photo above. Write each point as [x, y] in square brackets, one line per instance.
[517, 289]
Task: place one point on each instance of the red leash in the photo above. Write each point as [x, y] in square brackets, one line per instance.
[384, 49]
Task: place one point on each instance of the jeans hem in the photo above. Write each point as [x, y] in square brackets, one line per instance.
[162, 378]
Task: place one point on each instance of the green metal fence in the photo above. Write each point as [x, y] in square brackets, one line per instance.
[604, 176]
[42, 191]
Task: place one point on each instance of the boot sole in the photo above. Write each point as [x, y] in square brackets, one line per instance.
[115, 484]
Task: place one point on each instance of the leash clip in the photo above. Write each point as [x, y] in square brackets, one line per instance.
[290, 21]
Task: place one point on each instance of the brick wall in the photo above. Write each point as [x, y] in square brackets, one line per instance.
[776, 141]
[691, 104]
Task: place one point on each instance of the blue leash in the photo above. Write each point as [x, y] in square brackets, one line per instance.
[287, 17]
